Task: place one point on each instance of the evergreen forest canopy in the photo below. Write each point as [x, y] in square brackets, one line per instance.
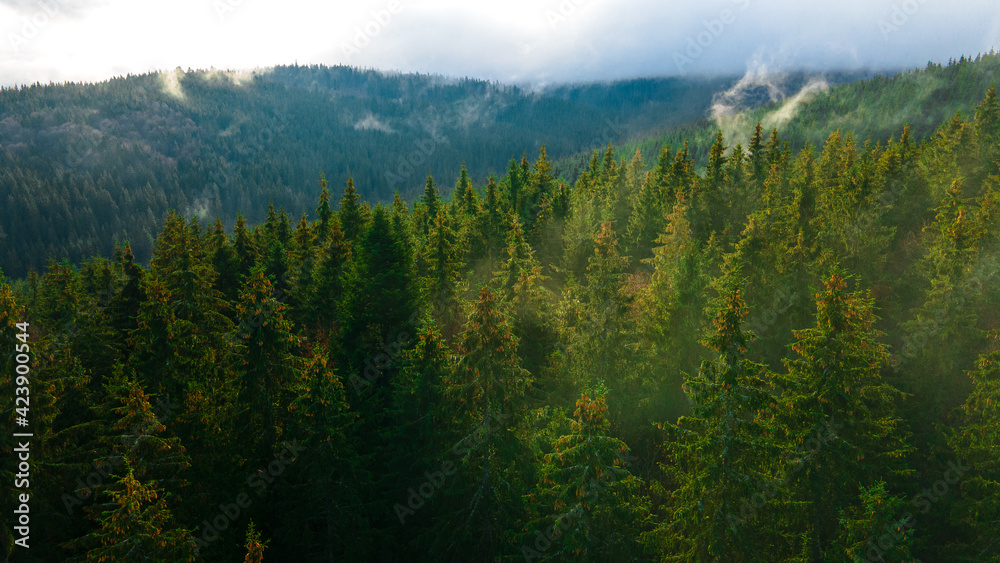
[782, 354]
[82, 166]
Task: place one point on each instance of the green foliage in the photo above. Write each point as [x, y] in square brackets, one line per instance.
[394, 382]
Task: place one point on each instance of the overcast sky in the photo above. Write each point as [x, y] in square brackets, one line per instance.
[524, 41]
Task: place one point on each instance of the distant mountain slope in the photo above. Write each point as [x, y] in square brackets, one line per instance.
[875, 108]
[81, 165]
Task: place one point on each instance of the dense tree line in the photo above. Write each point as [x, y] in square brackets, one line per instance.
[872, 107]
[790, 356]
[84, 165]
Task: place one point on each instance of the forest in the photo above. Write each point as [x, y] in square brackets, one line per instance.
[84, 165]
[780, 351]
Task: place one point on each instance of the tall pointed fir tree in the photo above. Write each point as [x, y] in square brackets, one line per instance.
[134, 523]
[978, 466]
[587, 506]
[431, 205]
[319, 513]
[672, 304]
[267, 367]
[416, 434]
[351, 215]
[488, 394]
[441, 256]
[519, 282]
[246, 250]
[603, 343]
[488, 228]
[180, 349]
[324, 312]
[324, 212]
[721, 456]
[834, 389]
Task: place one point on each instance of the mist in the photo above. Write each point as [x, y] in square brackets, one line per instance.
[521, 42]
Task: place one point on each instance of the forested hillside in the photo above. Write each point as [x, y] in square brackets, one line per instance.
[792, 355]
[84, 165]
[872, 107]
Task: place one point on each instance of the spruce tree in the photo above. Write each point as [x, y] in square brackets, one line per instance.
[977, 465]
[721, 457]
[587, 505]
[836, 383]
[351, 216]
[488, 394]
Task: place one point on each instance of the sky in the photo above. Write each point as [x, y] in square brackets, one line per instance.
[535, 42]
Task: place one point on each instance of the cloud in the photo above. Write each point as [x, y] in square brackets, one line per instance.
[524, 41]
[372, 122]
[51, 8]
[761, 83]
[171, 83]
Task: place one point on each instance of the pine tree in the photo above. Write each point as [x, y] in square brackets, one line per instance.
[325, 301]
[488, 394]
[877, 529]
[224, 261]
[380, 300]
[757, 161]
[540, 184]
[135, 523]
[255, 548]
[721, 457]
[417, 436]
[351, 217]
[267, 368]
[488, 237]
[124, 306]
[320, 512]
[519, 282]
[836, 383]
[674, 301]
[181, 326]
[588, 505]
[442, 259]
[431, 205]
[465, 196]
[978, 467]
[988, 132]
[323, 212]
[647, 221]
[138, 526]
[515, 187]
